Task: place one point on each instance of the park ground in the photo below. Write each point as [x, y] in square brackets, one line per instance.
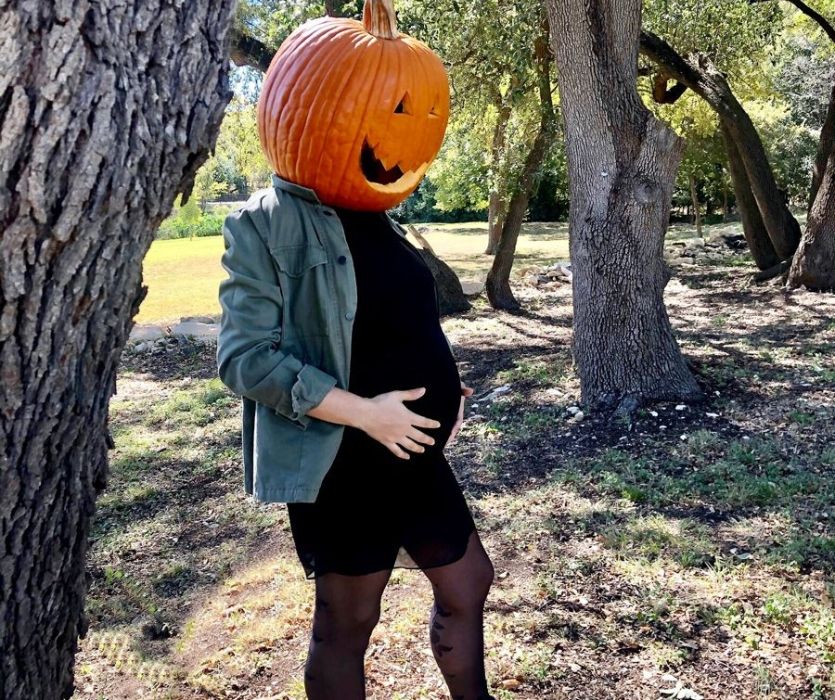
[688, 552]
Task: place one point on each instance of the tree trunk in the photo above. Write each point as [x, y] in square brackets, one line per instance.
[495, 221]
[694, 195]
[753, 228]
[700, 75]
[107, 109]
[497, 284]
[825, 146]
[498, 205]
[622, 165]
[814, 262]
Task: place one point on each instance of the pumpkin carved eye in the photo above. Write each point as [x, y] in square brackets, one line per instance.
[404, 106]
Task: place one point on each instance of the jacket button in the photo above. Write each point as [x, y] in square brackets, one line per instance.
[341, 259]
[349, 316]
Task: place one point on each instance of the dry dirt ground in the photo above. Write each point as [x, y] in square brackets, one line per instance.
[688, 552]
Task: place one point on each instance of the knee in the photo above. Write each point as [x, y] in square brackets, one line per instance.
[471, 593]
[352, 626]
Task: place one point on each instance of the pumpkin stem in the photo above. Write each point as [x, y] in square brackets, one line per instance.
[379, 19]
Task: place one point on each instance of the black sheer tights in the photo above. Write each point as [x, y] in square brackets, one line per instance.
[347, 609]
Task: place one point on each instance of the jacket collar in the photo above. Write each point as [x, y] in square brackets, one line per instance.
[311, 196]
[293, 188]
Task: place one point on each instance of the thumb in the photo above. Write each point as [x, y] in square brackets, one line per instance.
[412, 394]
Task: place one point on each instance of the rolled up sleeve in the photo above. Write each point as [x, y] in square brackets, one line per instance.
[250, 360]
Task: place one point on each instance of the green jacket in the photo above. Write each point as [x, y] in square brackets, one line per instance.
[285, 335]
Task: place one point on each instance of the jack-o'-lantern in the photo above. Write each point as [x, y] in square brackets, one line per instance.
[354, 110]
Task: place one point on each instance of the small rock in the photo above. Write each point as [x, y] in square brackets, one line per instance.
[573, 410]
[681, 407]
[712, 415]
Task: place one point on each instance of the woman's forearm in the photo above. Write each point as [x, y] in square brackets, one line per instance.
[343, 407]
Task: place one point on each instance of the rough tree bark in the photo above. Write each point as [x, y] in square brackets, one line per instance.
[622, 165]
[814, 262]
[107, 109]
[700, 75]
[497, 284]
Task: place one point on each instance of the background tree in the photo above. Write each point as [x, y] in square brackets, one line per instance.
[622, 165]
[107, 110]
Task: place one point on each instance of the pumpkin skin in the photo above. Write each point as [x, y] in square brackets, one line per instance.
[356, 116]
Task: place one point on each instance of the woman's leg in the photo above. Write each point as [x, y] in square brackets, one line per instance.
[347, 609]
[456, 621]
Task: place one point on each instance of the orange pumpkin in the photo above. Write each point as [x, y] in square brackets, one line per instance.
[354, 110]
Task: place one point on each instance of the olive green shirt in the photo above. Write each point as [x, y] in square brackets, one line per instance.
[288, 308]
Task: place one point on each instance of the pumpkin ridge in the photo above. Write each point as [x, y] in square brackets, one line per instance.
[312, 83]
[361, 124]
[278, 91]
[361, 55]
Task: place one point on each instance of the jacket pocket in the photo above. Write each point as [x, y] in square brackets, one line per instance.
[303, 276]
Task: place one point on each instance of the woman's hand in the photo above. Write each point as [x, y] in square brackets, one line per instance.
[465, 392]
[388, 421]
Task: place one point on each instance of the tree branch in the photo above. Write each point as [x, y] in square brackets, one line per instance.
[815, 16]
[249, 51]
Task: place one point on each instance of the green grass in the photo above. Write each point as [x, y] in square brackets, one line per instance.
[183, 275]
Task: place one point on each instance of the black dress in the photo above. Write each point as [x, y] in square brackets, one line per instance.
[374, 510]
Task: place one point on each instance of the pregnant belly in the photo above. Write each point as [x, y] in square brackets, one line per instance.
[435, 371]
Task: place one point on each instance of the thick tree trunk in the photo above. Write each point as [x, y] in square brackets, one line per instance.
[622, 165]
[700, 75]
[107, 109]
[753, 228]
[814, 262]
[497, 284]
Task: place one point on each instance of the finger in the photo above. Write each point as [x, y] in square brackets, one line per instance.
[412, 394]
[422, 421]
[411, 445]
[419, 436]
[467, 390]
[395, 448]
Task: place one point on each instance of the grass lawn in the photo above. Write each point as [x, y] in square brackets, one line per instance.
[183, 275]
[688, 552]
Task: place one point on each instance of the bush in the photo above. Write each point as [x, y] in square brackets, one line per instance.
[178, 226]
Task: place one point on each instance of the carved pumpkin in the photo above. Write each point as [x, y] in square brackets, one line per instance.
[354, 110]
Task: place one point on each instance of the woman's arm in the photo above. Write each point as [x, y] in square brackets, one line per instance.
[383, 417]
[249, 357]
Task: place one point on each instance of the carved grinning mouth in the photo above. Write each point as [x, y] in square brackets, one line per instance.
[375, 170]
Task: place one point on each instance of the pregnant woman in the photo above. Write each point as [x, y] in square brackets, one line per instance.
[331, 333]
